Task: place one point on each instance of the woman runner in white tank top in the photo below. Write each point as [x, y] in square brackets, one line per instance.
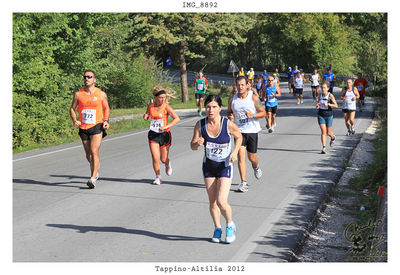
[349, 95]
[315, 78]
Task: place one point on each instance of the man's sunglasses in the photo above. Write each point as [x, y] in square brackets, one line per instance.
[87, 76]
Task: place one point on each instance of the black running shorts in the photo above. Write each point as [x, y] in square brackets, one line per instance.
[97, 129]
[163, 139]
[250, 141]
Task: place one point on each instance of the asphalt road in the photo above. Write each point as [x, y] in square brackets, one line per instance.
[127, 219]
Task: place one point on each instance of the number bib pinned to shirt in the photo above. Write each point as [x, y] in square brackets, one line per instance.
[88, 116]
[242, 118]
[217, 152]
[155, 125]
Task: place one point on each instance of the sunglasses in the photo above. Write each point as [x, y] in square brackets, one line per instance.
[87, 76]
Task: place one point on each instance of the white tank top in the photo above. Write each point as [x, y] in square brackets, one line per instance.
[348, 103]
[239, 108]
[298, 83]
[314, 78]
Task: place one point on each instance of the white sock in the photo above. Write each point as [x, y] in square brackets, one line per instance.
[231, 223]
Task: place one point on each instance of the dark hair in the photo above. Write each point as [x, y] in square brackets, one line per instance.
[242, 77]
[215, 98]
[89, 71]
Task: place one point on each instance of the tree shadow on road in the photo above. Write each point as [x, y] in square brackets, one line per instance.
[118, 229]
[290, 232]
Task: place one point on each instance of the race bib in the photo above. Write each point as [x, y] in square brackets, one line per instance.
[242, 118]
[217, 152]
[200, 86]
[360, 87]
[89, 116]
[155, 125]
[271, 98]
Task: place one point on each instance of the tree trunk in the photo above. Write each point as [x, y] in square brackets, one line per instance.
[184, 84]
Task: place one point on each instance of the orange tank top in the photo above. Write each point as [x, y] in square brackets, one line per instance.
[158, 117]
[90, 107]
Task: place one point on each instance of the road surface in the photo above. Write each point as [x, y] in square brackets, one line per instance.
[56, 218]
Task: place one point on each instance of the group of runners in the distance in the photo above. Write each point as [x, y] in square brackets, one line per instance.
[214, 131]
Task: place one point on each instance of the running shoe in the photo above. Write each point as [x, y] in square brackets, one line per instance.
[243, 187]
[298, 102]
[199, 113]
[217, 235]
[348, 132]
[91, 183]
[230, 233]
[332, 141]
[301, 101]
[323, 150]
[168, 169]
[157, 181]
[257, 172]
[352, 131]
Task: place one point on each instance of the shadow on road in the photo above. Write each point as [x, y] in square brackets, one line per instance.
[101, 179]
[117, 229]
[298, 216]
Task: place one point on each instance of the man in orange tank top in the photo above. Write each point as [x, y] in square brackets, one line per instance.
[94, 112]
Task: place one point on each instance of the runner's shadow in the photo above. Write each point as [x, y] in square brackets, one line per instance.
[58, 184]
[144, 181]
[117, 229]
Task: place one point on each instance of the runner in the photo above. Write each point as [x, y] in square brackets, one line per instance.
[200, 86]
[94, 112]
[250, 76]
[315, 79]
[159, 135]
[272, 91]
[276, 77]
[349, 95]
[361, 84]
[245, 109]
[325, 102]
[265, 75]
[214, 132]
[260, 86]
[241, 72]
[331, 78]
[290, 79]
[298, 83]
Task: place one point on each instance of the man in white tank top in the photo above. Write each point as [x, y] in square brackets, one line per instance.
[245, 108]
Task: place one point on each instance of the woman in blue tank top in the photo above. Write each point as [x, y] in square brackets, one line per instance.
[272, 91]
[214, 132]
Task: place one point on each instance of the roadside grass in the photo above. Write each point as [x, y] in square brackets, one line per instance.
[366, 186]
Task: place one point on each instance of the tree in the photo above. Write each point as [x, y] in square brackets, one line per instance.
[193, 34]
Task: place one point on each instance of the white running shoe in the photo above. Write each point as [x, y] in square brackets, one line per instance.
[91, 183]
[157, 181]
[243, 187]
[301, 101]
[298, 103]
[257, 172]
[230, 233]
[323, 151]
[168, 169]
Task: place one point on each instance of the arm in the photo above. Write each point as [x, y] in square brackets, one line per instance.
[229, 112]
[234, 130]
[260, 111]
[334, 103]
[342, 95]
[278, 91]
[72, 113]
[174, 116]
[106, 109]
[147, 114]
[197, 140]
[206, 82]
[356, 93]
